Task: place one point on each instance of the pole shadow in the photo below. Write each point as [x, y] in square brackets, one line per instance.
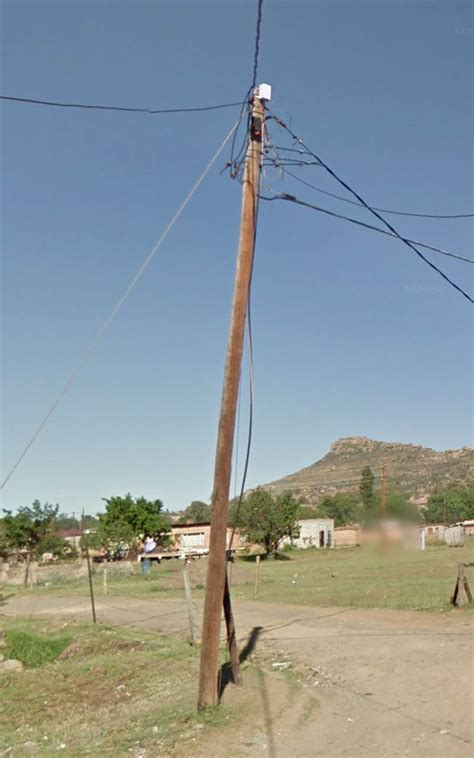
[225, 674]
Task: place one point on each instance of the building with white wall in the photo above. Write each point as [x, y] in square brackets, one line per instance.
[314, 532]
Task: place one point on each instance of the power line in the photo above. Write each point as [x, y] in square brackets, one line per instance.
[382, 210]
[375, 213]
[235, 161]
[93, 344]
[257, 45]
[251, 392]
[283, 162]
[293, 199]
[125, 109]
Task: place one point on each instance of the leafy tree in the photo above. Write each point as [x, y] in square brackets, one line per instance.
[3, 542]
[344, 508]
[398, 506]
[267, 520]
[58, 546]
[235, 507]
[366, 489]
[93, 541]
[126, 519]
[89, 522]
[197, 512]
[63, 521]
[450, 505]
[28, 526]
[307, 512]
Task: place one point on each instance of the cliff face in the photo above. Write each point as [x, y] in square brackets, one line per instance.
[412, 469]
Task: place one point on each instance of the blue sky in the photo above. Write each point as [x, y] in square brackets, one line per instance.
[353, 334]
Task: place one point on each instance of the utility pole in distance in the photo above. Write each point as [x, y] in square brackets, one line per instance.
[383, 503]
[216, 572]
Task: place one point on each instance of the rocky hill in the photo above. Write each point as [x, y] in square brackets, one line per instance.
[412, 469]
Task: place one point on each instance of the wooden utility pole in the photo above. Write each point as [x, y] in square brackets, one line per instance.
[216, 573]
[383, 494]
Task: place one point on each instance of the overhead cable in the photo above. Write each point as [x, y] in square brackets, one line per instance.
[94, 342]
[382, 210]
[257, 45]
[125, 109]
[235, 161]
[293, 199]
[374, 212]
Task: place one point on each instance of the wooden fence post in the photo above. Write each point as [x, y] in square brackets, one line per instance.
[257, 572]
[462, 589]
[27, 569]
[189, 601]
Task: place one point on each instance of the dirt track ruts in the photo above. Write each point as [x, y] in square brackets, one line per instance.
[381, 683]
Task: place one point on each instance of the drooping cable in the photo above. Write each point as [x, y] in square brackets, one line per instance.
[374, 212]
[382, 210]
[251, 383]
[293, 199]
[93, 344]
[123, 109]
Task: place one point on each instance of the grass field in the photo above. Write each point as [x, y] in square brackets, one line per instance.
[363, 578]
[353, 577]
[97, 698]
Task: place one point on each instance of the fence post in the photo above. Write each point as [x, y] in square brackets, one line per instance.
[257, 572]
[462, 589]
[27, 569]
[91, 587]
[189, 602]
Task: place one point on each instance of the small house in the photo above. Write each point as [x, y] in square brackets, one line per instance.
[197, 536]
[314, 532]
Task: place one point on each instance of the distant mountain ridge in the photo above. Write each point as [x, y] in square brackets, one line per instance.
[413, 469]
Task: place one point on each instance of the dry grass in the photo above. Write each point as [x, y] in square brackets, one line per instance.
[363, 578]
[112, 692]
[353, 577]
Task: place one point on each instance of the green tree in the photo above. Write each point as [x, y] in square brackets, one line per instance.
[25, 529]
[267, 520]
[3, 540]
[307, 512]
[366, 489]
[344, 508]
[58, 546]
[126, 519]
[197, 512]
[94, 541]
[398, 506]
[450, 505]
[235, 507]
[89, 522]
[63, 521]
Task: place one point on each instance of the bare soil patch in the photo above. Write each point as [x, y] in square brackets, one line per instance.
[239, 574]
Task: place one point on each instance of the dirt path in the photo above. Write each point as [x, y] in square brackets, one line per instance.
[372, 683]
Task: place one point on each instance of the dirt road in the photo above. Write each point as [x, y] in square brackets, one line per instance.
[359, 682]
